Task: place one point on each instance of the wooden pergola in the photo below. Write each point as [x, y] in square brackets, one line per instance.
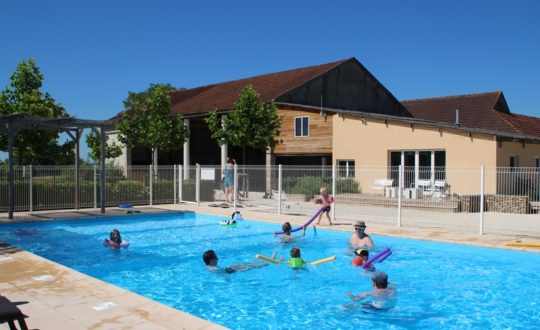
[74, 127]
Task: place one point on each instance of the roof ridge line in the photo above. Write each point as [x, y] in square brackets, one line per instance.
[503, 118]
[451, 96]
[268, 74]
[336, 64]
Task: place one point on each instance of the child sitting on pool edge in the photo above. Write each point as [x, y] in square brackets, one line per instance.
[210, 259]
[287, 229]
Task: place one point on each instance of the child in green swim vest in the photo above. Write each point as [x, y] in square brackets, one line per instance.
[296, 260]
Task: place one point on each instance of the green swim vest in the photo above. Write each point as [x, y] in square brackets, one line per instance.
[296, 262]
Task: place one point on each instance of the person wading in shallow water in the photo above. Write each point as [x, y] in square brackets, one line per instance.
[360, 239]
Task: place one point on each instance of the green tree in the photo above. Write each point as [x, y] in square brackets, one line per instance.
[23, 95]
[136, 100]
[252, 123]
[149, 123]
[93, 140]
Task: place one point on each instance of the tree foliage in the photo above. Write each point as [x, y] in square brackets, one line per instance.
[149, 123]
[23, 95]
[252, 123]
[112, 150]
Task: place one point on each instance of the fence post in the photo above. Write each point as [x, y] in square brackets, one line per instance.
[198, 185]
[400, 194]
[481, 229]
[279, 190]
[180, 179]
[151, 182]
[235, 186]
[334, 191]
[31, 195]
[95, 186]
[174, 184]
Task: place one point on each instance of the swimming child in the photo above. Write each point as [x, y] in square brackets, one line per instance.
[383, 297]
[287, 237]
[210, 259]
[115, 240]
[296, 260]
[326, 200]
[362, 255]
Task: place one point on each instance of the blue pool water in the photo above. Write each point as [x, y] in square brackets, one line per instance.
[439, 285]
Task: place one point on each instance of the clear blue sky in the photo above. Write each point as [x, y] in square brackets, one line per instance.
[92, 53]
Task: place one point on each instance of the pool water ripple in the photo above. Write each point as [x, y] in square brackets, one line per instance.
[439, 285]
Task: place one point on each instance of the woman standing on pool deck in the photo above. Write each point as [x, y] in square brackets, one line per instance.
[228, 179]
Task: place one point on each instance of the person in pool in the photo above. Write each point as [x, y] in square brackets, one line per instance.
[360, 239]
[362, 255]
[287, 237]
[384, 295]
[296, 260]
[210, 259]
[115, 240]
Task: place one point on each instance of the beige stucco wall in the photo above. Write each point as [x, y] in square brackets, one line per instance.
[122, 160]
[368, 142]
[527, 153]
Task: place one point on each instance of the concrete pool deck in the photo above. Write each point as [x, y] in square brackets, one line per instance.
[61, 298]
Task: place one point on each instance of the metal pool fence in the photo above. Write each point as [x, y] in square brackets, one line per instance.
[473, 200]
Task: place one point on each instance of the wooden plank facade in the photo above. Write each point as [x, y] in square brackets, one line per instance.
[318, 141]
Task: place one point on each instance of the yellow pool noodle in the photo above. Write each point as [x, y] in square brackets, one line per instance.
[321, 261]
[524, 244]
[272, 260]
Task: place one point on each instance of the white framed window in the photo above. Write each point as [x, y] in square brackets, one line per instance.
[346, 168]
[301, 126]
[514, 161]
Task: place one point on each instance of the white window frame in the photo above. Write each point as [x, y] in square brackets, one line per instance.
[349, 163]
[516, 161]
[301, 127]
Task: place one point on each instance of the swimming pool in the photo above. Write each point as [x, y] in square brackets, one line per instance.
[439, 285]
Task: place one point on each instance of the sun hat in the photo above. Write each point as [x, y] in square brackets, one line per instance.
[380, 277]
[360, 224]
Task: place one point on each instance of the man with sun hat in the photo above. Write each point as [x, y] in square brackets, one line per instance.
[360, 239]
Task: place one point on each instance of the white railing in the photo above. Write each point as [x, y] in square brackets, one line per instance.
[493, 201]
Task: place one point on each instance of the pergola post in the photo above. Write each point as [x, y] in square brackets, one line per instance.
[11, 136]
[103, 177]
[77, 139]
[78, 134]
[13, 123]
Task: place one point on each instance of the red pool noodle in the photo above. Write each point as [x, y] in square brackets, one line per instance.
[306, 224]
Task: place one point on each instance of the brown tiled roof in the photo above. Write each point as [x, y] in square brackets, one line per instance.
[484, 111]
[475, 110]
[525, 125]
[223, 95]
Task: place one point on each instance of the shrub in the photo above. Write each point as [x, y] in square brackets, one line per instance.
[348, 185]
